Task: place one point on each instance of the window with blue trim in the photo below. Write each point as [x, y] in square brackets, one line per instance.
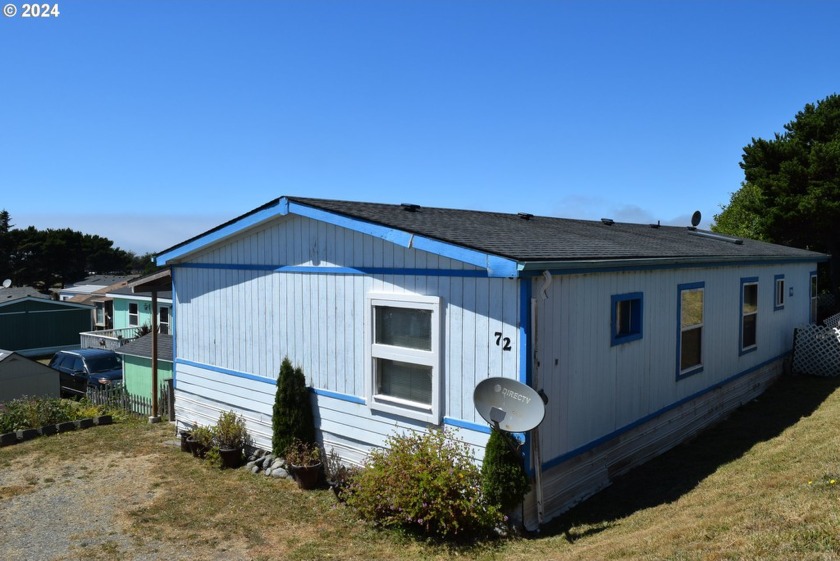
[626, 320]
[749, 314]
[690, 317]
[779, 297]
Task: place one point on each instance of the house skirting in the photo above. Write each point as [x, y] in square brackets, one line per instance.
[568, 483]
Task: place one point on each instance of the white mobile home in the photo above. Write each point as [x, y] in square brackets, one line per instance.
[639, 335]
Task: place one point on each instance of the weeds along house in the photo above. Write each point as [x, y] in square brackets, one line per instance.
[639, 335]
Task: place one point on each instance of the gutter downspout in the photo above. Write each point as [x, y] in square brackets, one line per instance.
[536, 448]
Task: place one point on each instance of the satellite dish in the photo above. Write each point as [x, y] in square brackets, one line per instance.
[7, 283]
[508, 404]
[695, 218]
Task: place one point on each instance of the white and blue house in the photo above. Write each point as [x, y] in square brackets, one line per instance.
[639, 335]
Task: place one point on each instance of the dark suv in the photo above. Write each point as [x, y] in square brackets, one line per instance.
[78, 370]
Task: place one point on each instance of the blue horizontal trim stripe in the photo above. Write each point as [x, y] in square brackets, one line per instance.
[220, 370]
[606, 438]
[462, 424]
[340, 270]
[340, 396]
[227, 266]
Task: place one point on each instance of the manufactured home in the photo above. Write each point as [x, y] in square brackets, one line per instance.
[639, 335]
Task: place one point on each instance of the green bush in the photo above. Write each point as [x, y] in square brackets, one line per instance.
[292, 413]
[425, 483]
[503, 478]
[230, 431]
[34, 412]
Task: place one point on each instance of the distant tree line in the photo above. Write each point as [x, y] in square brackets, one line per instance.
[50, 258]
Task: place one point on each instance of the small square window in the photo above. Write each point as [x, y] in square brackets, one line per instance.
[626, 318]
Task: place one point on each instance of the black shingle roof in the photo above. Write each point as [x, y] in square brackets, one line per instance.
[540, 238]
[142, 347]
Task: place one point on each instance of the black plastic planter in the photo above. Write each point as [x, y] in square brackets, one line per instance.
[28, 434]
[66, 426]
[47, 430]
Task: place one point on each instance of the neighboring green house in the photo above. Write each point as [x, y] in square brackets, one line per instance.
[137, 364]
[135, 310]
[31, 324]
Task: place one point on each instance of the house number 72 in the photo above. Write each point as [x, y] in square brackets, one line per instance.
[500, 342]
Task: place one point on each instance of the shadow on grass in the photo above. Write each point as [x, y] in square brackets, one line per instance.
[675, 473]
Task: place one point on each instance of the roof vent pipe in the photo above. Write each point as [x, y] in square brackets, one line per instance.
[524, 215]
[410, 207]
[608, 221]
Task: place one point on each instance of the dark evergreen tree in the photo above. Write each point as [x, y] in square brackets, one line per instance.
[292, 413]
[503, 476]
[792, 190]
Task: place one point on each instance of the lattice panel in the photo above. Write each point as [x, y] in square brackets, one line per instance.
[817, 351]
[832, 321]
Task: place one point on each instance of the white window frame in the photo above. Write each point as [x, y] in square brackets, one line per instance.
[745, 282]
[168, 321]
[779, 296]
[429, 413]
[695, 368]
[135, 315]
[99, 314]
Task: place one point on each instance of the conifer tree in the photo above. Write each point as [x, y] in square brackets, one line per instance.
[292, 413]
[503, 476]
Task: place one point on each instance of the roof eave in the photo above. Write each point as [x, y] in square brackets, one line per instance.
[592, 265]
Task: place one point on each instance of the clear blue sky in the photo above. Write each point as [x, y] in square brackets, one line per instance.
[149, 122]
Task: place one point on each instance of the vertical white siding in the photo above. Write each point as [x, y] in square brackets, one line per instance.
[596, 389]
[240, 314]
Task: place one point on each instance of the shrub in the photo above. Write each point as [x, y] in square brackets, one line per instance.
[230, 431]
[292, 412]
[503, 477]
[34, 412]
[425, 483]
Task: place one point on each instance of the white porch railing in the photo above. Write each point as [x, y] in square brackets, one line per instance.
[110, 339]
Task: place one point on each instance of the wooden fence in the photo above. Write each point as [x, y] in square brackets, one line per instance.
[119, 398]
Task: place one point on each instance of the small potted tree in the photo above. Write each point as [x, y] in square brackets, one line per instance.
[200, 440]
[304, 459]
[231, 436]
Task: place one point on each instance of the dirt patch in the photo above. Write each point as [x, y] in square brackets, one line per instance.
[80, 510]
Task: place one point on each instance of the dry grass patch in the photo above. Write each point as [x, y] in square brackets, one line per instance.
[739, 491]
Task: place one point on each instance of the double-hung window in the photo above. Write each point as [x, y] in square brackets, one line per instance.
[779, 293]
[133, 315]
[813, 293]
[404, 355]
[749, 314]
[690, 314]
